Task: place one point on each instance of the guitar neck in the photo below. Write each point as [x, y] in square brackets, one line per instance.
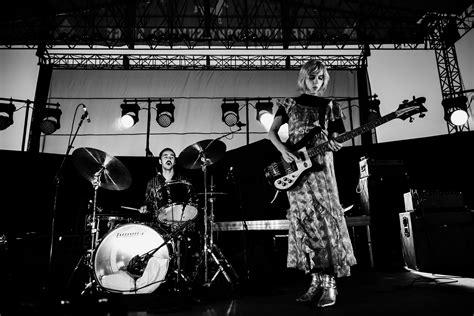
[320, 149]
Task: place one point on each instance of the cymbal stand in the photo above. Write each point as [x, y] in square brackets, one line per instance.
[181, 278]
[217, 254]
[206, 249]
[94, 230]
[208, 242]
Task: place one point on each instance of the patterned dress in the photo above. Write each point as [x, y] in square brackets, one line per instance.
[318, 237]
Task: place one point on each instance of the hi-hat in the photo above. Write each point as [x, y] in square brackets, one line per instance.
[204, 152]
[91, 163]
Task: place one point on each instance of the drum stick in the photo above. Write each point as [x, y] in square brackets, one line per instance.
[130, 208]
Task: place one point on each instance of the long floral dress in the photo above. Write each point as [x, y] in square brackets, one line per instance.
[318, 236]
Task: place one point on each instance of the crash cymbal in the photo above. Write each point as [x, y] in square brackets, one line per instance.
[205, 152]
[113, 174]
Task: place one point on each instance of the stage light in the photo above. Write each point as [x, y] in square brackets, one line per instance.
[129, 114]
[165, 113]
[455, 110]
[50, 119]
[6, 115]
[230, 113]
[265, 113]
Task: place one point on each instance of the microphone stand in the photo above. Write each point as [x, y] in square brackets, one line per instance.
[136, 266]
[57, 180]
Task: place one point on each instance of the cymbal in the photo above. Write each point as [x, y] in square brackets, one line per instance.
[91, 162]
[205, 152]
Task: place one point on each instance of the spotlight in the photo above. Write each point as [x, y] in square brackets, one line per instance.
[50, 120]
[129, 114]
[6, 115]
[230, 113]
[265, 113]
[165, 114]
[455, 110]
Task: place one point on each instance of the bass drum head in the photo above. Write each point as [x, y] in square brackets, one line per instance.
[116, 250]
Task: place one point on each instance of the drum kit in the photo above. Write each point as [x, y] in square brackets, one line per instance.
[131, 257]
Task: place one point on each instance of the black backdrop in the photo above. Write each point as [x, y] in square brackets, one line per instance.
[28, 194]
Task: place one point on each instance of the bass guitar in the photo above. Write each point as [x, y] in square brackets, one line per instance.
[283, 175]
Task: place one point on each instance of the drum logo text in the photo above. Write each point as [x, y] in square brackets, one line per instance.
[129, 234]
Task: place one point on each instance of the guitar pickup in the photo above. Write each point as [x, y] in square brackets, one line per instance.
[301, 156]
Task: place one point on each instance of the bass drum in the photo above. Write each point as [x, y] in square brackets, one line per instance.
[118, 247]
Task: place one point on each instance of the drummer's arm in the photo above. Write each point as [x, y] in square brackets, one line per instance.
[144, 208]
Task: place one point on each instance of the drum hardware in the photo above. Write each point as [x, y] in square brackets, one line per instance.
[216, 254]
[127, 260]
[176, 203]
[203, 154]
[137, 264]
[179, 272]
[105, 222]
[103, 171]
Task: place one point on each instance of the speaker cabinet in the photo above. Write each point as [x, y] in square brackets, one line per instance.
[438, 243]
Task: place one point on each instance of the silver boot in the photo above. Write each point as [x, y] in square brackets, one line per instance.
[328, 298]
[314, 289]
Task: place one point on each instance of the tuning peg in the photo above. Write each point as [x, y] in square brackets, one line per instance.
[411, 119]
[421, 115]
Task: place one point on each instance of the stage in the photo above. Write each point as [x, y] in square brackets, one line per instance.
[365, 292]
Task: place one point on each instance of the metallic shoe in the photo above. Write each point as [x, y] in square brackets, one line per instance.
[314, 289]
[328, 298]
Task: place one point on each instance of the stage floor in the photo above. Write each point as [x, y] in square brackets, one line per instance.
[365, 292]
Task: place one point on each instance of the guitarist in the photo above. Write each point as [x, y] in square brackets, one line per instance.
[318, 238]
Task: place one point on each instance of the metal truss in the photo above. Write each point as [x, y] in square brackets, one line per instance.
[445, 33]
[233, 24]
[198, 62]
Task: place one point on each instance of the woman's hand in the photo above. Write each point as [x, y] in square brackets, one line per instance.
[334, 145]
[142, 209]
[287, 155]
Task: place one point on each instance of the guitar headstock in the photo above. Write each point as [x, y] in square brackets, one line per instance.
[409, 108]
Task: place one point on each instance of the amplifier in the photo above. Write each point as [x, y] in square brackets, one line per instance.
[440, 244]
[433, 200]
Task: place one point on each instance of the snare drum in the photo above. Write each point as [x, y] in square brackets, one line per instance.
[176, 202]
[106, 222]
[116, 250]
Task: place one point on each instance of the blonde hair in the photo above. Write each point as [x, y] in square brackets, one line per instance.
[312, 66]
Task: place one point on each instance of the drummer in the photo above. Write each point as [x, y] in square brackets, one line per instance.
[167, 160]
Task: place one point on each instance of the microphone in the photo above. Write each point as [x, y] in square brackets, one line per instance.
[86, 114]
[229, 173]
[240, 124]
[136, 266]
